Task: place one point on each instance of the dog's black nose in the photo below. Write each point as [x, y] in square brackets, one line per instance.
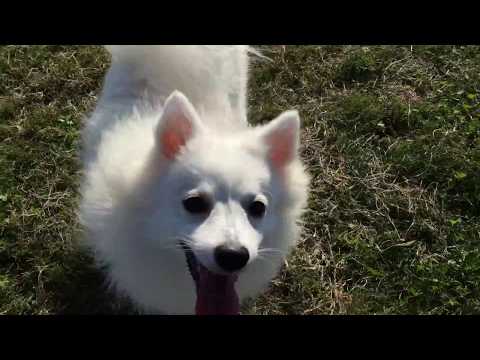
[231, 259]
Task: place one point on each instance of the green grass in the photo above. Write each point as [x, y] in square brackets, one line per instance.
[391, 137]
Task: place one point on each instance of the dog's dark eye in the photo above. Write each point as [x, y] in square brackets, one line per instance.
[196, 205]
[257, 209]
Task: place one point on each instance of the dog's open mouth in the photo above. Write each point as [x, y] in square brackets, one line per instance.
[216, 293]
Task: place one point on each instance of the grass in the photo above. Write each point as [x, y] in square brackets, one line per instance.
[391, 137]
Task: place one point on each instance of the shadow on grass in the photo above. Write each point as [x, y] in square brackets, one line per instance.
[78, 287]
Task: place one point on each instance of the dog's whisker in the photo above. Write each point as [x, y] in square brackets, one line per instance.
[265, 258]
[169, 247]
[271, 251]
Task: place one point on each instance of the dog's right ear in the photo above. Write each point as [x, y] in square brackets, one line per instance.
[177, 125]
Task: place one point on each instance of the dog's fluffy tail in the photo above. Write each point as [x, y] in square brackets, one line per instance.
[199, 71]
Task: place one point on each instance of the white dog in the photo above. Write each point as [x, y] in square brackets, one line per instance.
[191, 209]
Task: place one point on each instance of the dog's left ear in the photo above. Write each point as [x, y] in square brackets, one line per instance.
[281, 136]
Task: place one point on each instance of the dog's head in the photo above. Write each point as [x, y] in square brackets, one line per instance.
[224, 197]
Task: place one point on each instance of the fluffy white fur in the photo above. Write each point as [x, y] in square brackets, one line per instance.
[134, 181]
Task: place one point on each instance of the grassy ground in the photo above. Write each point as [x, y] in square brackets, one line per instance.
[391, 137]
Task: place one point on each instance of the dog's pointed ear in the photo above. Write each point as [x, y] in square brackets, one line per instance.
[281, 136]
[177, 125]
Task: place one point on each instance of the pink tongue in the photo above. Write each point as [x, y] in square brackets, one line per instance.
[216, 294]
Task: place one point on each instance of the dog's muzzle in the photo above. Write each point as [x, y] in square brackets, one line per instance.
[216, 294]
